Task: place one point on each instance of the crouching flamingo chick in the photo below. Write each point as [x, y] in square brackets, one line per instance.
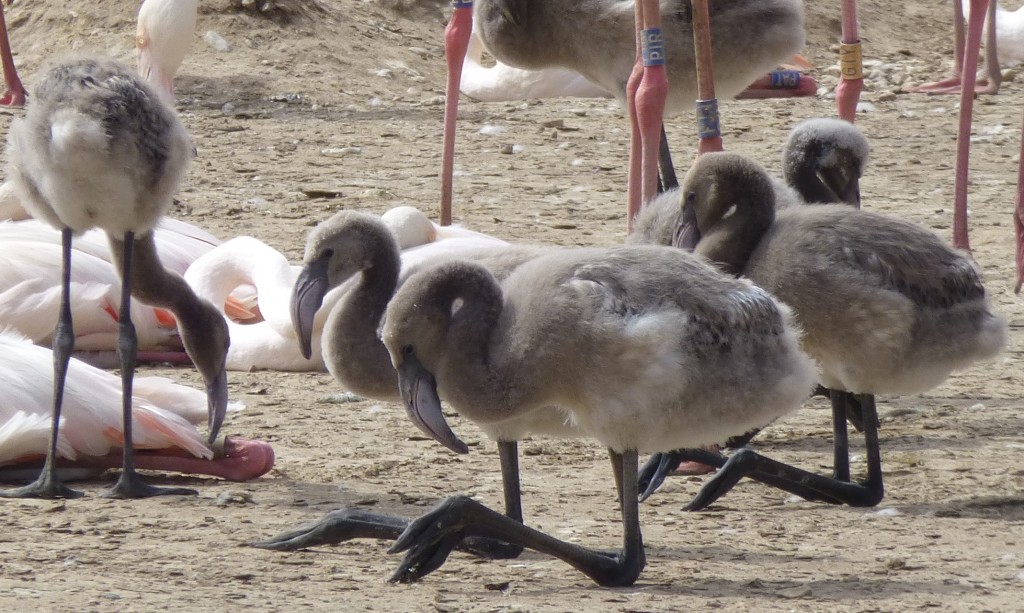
[643, 345]
[886, 307]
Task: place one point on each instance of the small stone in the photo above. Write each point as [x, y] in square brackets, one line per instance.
[217, 41]
[233, 497]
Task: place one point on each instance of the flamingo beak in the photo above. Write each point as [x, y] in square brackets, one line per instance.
[844, 186]
[307, 296]
[419, 394]
[687, 234]
[217, 403]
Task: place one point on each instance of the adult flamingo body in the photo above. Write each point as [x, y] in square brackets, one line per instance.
[165, 415]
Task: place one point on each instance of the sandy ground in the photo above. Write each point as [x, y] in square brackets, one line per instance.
[337, 104]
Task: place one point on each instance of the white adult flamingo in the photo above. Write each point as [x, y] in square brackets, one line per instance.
[164, 413]
[162, 38]
[267, 342]
[266, 338]
[98, 148]
[30, 290]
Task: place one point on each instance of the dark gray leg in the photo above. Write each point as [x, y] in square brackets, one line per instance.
[428, 540]
[348, 524]
[48, 485]
[746, 462]
[840, 439]
[667, 171]
[129, 485]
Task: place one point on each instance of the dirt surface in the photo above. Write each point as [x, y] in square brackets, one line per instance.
[337, 104]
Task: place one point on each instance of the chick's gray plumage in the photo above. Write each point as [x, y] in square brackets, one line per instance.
[648, 347]
[97, 148]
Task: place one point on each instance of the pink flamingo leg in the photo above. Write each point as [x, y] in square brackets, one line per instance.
[14, 93]
[456, 43]
[852, 81]
[963, 136]
[650, 100]
[954, 83]
[239, 460]
[236, 459]
[991, 84]
[707, 105]
[633, 198]
[955, 78]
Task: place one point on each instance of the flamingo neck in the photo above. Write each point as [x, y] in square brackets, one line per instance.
[355, 354]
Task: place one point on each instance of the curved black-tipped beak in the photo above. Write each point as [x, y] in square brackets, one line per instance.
[216, 404]
[843, 184]
[419, 393]
[687, 234]
[307, 296]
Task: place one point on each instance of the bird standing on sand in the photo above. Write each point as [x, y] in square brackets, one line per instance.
[98, 148]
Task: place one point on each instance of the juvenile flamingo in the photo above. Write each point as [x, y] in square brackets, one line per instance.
[885, 305]
[754, 37]
[99, 148]
[647, 347]
[356, 251]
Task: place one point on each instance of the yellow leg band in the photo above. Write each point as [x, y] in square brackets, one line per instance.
[850, 64]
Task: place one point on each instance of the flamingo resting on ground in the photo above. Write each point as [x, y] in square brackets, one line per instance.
[264, 341]
[164, 415]
[99, 148]
[30, 287]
